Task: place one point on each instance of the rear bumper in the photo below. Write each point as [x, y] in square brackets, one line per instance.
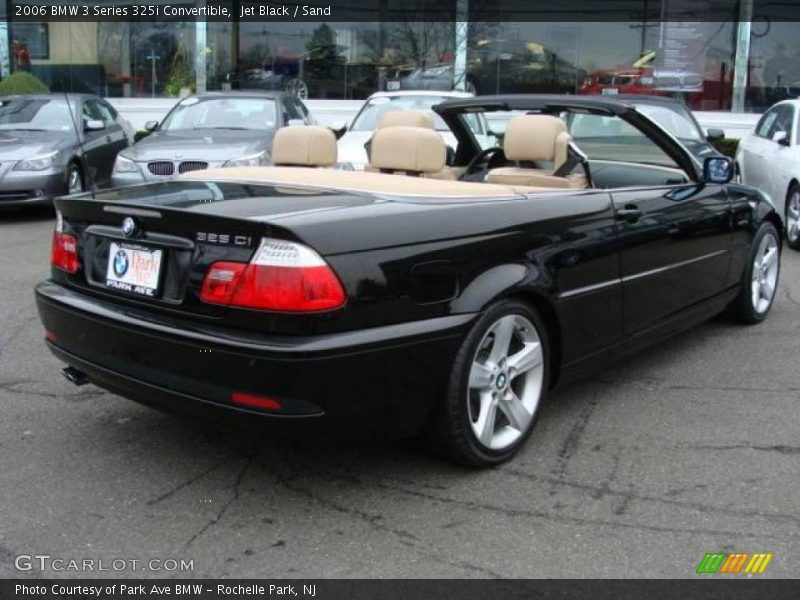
[372, 383]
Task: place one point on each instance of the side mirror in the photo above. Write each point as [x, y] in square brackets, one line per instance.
[712, 135]
[151, 125]
[718, 169]
[93, 125]
[781, 137]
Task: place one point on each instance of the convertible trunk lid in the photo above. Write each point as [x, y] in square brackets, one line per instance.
[154, 243]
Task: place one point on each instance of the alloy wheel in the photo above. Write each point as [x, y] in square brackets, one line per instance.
[765, 273]
[505, 382]
[793, 217]
[297, 87]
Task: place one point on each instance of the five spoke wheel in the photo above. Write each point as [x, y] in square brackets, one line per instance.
[765, 273]
[793, 218]
[505, 382]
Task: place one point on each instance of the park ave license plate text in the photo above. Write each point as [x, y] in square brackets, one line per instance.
[133, 269]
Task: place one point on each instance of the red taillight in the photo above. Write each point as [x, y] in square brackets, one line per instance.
[282, 276]
[220, 282]
[64, 253]
[255, 401]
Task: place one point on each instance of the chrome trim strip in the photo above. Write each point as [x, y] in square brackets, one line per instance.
[595, 287]
[673, 266]
[590, 288]
[137, 212]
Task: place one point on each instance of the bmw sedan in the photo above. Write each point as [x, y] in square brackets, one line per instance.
[769, 158]
[215, 129]
[54, 144]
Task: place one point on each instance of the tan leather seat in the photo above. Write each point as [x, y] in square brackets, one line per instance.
[405, 118]
[409, 150]
[307, 146]
[414, 118]
[536, 138]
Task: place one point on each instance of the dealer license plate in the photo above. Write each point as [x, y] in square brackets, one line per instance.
[133, 269]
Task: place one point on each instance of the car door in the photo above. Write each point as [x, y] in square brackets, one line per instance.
[116, 138]
[93, 143]
[777, 170]
[673, 232]
[754, 148]
[674, 249]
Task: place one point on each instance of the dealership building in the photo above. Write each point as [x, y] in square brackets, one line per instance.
[733, 59]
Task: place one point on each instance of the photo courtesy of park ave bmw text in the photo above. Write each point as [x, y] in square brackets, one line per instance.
[397, 299]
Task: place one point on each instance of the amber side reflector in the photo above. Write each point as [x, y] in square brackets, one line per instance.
[255, 401]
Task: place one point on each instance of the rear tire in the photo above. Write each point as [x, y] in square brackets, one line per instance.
[497, 384]
[759, 279]
[792, 217]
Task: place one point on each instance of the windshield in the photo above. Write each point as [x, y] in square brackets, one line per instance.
[370, 115]
[35, 114]
[673, 120]
[221, 113]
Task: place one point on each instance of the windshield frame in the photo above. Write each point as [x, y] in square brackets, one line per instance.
[64, 128]
[679, 110]
[187, 104]
[370, 102]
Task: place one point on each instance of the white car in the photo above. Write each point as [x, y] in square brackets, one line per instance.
[768, 158]
[350, 149]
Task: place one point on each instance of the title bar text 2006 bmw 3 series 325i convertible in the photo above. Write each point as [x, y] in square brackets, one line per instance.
[440, 290]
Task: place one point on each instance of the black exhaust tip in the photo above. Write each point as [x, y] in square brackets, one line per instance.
[75, 376]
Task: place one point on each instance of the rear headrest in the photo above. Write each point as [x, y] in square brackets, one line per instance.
[536, 137]
[307, 146]
[410, 149]
[405, 118]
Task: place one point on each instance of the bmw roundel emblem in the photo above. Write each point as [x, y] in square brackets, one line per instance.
[128, 227]
[120, 263]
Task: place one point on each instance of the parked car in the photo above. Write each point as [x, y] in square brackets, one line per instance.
[54, 144]
[385, 303]
[703, 91]
[316, 79]
[769, 158]
[494, 66]
[352, 152]
[214, 129]
[676, 118]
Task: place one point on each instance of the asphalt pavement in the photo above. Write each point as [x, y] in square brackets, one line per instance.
[690, 447]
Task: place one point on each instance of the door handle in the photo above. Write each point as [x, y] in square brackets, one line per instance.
[629, 213]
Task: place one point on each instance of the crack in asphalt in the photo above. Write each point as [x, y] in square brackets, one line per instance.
[779, 448]
[12, 387]
[174, 490]
[224, 508]
[406, 538]
[789, 297]
[599, 491]
[572, 440]
[540, 514]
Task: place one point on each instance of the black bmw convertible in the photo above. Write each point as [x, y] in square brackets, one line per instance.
[437, 291]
